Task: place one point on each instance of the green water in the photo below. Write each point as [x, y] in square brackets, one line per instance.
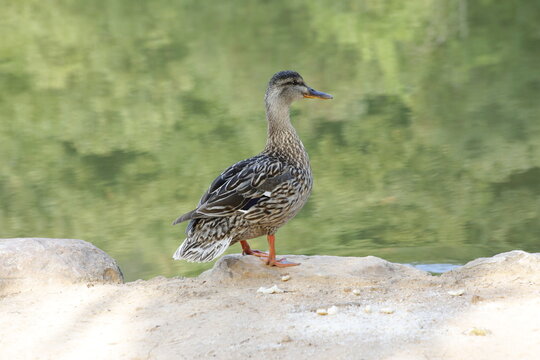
[116, 115]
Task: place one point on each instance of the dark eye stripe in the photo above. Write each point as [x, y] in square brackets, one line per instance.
[292, 82]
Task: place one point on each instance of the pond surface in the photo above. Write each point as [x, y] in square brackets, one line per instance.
[116, 116]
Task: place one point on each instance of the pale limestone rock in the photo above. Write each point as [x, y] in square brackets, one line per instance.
[27, 263]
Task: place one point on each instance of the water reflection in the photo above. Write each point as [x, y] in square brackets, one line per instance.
[435, 268]
[116, 116]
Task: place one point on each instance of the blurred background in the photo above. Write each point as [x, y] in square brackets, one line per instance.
[115, 116]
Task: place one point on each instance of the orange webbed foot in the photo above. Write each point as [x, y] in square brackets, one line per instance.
[271, 258]
[246, 250]
[257, 253]
[279, 262]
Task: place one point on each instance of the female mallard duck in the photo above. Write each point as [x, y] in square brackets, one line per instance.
[257, 196]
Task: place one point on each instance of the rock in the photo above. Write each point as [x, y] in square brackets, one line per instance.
[457, 292]
[327, 269]
[193, 318]
[333, 310]
[475, 331]
[286, 339]
[508, 265]
[28, 262]
[475, 299]
[271, 290]
[321, 312]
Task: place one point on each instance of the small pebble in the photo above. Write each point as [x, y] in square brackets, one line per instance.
[286, 339]
[387, 311]
[476, 299]
[367, 309]
[356, 292]
[322, 312]
[285, 278]
[458, 292]
[333, 310]
[477, 332]
[271, 290]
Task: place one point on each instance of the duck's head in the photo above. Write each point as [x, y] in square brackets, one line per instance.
[288, 86]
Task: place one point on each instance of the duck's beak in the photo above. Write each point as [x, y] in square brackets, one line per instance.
[314, 94]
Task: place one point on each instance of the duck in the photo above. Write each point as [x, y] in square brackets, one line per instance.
[256, 196]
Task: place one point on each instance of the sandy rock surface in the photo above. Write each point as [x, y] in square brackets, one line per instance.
[27, 262]
[488, 309]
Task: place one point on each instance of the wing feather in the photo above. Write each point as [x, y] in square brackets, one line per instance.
[239, 187]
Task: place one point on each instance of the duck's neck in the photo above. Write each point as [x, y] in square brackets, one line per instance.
[282, 139]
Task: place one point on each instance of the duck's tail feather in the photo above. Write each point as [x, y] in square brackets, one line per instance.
[197, 251]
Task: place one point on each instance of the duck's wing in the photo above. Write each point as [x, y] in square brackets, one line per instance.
[240, 187]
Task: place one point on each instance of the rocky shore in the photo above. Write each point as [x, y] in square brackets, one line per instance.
[65, 299]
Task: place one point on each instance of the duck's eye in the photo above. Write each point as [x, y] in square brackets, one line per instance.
[295, 82]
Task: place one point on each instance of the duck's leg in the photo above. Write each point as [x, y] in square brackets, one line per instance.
[246, 250]
[271, 260]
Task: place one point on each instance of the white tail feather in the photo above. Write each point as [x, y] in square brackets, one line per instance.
[194, 251]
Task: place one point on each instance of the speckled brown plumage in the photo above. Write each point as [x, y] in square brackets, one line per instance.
[256, 196]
